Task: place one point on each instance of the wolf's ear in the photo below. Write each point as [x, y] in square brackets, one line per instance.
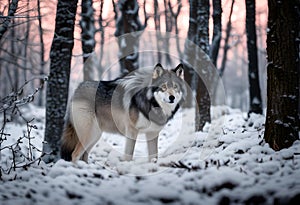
[158, 71]
[179, 70]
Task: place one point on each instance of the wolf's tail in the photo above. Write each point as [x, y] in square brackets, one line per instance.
[68, 142]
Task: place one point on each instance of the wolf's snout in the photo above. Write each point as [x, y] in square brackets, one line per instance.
[171, 98]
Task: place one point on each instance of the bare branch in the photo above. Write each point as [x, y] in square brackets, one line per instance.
[11, 12]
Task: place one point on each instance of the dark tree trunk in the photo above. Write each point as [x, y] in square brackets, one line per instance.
[282, 121]
[198, 34]
[217, 31]
[175, 18]
[58, 84]
[226, 41]
[87, 36]
[42, 53]
[202, 39]
[189, 50]
[169, 26]
[11, 12]
[253, 74]
[102, 31]
[202, 94]
[157, 29]
[128, 23]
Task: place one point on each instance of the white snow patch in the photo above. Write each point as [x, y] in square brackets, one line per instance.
[228, 162]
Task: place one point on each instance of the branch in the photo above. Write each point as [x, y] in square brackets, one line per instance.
[226, 46]
[146, 16]
[11, 12]
[115, 10]
[12, 102]
[175, 14]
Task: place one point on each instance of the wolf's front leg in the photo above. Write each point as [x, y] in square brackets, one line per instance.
[152, 144]
[129, 145]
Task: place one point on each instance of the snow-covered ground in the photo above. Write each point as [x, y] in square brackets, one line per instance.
[228, 163]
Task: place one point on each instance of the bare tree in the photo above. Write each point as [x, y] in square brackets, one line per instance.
[102, 31]
[129, 23]
[42, 50]
[226, 41]
[198, 34]
[175, 15]
[217, 31]
[189, 49]
[58, 85]
[282, 121]
[203, 97]
[87, 24]
[253, 73]
[168, 27]
[11, 12]
[157, 29]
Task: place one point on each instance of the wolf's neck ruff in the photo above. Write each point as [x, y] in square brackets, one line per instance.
[144, 100]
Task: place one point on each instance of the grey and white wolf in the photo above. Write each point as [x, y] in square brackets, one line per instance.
[141, 102]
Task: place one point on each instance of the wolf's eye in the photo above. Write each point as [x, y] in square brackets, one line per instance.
[175, 87]
[164, 87]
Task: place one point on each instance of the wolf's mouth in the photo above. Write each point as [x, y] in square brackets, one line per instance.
[169, 101]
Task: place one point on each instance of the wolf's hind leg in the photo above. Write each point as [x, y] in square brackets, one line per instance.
[85, 124]
[78, 152]
[85, 155]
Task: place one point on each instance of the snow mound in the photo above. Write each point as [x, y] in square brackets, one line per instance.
[228, 163]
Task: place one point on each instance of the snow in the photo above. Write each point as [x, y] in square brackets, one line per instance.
[227, 163]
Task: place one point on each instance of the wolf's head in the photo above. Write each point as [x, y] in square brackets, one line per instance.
[170, 86]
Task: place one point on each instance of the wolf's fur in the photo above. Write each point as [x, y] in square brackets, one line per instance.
[141, 102]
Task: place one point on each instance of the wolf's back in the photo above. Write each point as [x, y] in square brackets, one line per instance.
[68, 141]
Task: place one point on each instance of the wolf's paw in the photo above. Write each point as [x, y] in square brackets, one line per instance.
[153, 160]
[126, 158]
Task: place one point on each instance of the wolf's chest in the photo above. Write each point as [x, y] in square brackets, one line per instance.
[145, 125]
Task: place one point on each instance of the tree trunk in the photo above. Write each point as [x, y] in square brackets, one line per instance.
[42, 53]
[128, 23]
[58, 83]
[253, 76]
[202, 94]
[157, 30]
[217, 31]
[102, 31]
[169, 26]
[175, 18]
[11, 12]
[198, 34]
[189, 51]
[226, 41]
[87, 37]
[282, 121]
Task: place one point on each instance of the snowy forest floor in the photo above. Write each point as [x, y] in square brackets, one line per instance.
[227, 163]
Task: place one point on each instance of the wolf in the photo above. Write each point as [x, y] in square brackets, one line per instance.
[141, 102]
